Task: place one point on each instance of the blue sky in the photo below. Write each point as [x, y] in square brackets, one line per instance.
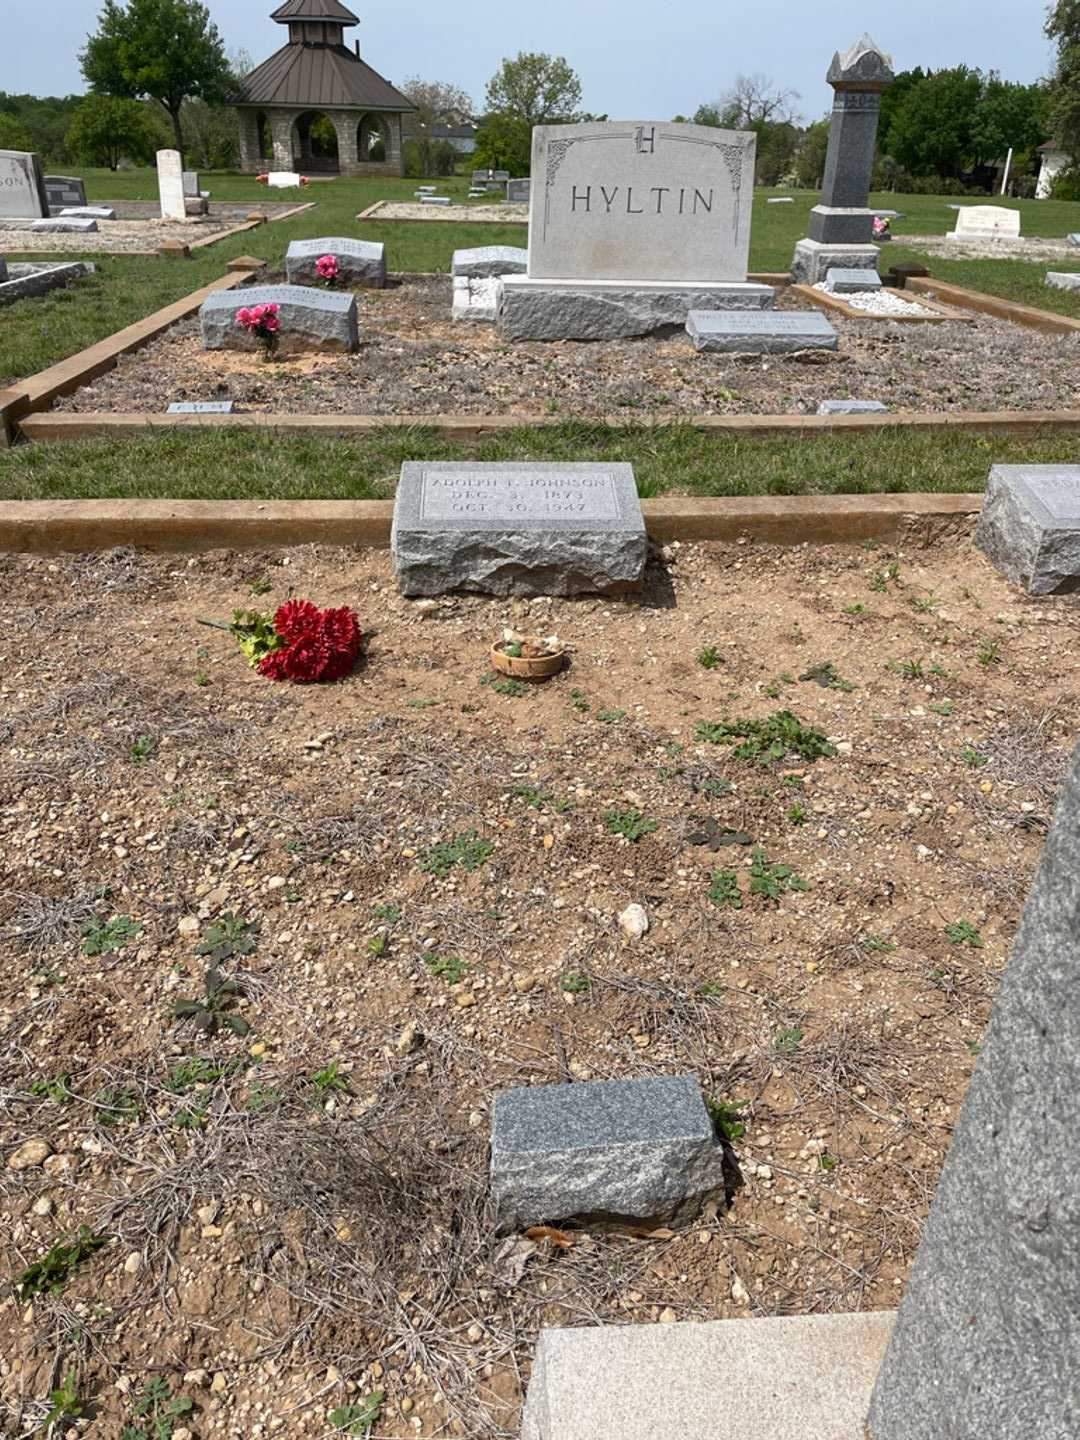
[636, 59]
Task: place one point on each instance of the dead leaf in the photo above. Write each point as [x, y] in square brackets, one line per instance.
[511, 1258]
[560, 1239]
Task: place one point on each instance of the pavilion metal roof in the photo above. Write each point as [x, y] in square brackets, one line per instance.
[320, 77]
[314, 10]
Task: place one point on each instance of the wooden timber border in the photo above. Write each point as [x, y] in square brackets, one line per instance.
[47, 527]
[1027, 315]
[824, 300]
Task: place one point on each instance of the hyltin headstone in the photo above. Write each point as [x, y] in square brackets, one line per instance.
[526, 528]
[841, 226]
[22, 186]
[170, 171]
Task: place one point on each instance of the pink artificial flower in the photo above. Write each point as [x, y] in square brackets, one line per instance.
[271, 324]
[244, 317]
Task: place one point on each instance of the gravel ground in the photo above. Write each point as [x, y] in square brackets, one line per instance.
[1024, 248]
[138, 227]
[495, 212]
[414, 360]
[296, 1218]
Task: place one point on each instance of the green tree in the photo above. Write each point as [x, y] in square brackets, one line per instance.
[504, 142]
[1063, 27]
[931, 133]
[437, 103]
[537, 89]
[1007, 115]
[892, 101]
[165, 49]
[106, 130]
[810, 160]
[14, 135]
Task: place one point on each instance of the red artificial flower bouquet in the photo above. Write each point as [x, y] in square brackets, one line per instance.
[327, 269]
[299, 642]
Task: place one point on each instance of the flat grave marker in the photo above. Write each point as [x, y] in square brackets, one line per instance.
[1063, 279]
[842, 281]
[200, 407]
[310, 319]
[360, 262]
[852, 407]
[526, 528]
[758, 333]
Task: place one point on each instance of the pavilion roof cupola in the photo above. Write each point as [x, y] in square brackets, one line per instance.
[315, 22]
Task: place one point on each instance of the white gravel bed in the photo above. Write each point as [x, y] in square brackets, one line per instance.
[113, 237]
[876, 302]
[494, 214]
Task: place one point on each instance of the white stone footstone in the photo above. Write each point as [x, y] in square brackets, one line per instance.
[476, 299]
[310, 319]
[614, 309]
[775, 333]
[488, 260]
[793, 1378]
[852, 407]
[850, 281]
[434, 199]
[525, 528]
[282, 179]
[1029, 526]
[361, 263]
[1063, 279]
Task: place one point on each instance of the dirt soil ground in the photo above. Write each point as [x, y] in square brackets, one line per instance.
[426, 874]
[413, 360]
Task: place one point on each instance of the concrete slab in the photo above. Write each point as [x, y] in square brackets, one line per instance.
[793, 1378]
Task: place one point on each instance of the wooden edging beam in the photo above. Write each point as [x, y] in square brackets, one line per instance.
[47, 527]
[98, 425]
[39, 391]
[824, 300]
[1034, 319]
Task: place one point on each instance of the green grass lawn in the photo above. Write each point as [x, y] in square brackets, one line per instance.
[232, 464]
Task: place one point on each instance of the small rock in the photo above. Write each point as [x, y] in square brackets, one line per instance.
[207, 1214]
[426, 608]
[474, 1333]
[465, 999]
[276, 882]
[182, 1434]
[219, 1384]
[43, 1206]
[634, 922]
[132, 1266]
[668, 1316]
[409, 1039]
[189, 925]
[29, 1154]
[524, 983]
[196, 1377]
[739, 1292]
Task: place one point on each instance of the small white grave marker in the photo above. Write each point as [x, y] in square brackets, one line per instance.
[170, 169]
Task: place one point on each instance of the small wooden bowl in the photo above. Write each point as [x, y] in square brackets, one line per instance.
[527, 667]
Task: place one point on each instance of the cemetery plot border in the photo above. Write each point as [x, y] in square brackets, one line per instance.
[824, 301]
[1026, 315]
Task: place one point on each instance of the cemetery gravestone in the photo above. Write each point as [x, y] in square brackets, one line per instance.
[768, 334]
[985, 1342]
[612, 309]
[1029, 526]
[642, 1150]
[1063, 279]
[191, 184]
[1073, 238]
[170, 170]
[54, 225]
[361, 263]
[986, 222]
[87, 212]
[200, 407]
[282, 179]
[530, 528]
[63, 190]
[842, 224]
[852, 407]
[310, 319]
[22, 186]
[487, 260]
[518, 191]
[434, 199]
[848, 282]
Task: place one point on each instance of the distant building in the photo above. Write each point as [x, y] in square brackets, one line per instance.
[315, 106]
[1053, 160]
[461, 138]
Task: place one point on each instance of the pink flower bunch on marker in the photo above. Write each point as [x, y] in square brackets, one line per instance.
[263, 321]
[326, 267]
[263, 179]
[881, 226]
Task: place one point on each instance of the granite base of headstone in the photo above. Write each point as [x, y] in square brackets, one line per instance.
[361, 263]
[1029, 526]
[638, 1151]
[776, 333]
[486, 260]
[813, 259]
[57, 226]
[195, 206]
[791, 1377]
[852, 407]
[1063, 279]
[526, 528]
[614, 309]
[986, 1339]
[851, 281]
[310, 319]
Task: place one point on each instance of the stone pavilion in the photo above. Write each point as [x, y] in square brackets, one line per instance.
[315, 106]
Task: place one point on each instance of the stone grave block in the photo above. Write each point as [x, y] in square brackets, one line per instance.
[87, 212]
[22, 186]
[637, 1150]
[170, 173]
[361, 263]
[200, 407]
[1063, 279]
[26, 279]
[518, 191]
[780, 200]
[283, 179]
[640, 201]
[310, 319]
[985, 1342]
[1073, 238]
[434, 199]
[426, 189]
[488, 260]
[852, 407]
[63, 190]
[475, 298]
[792, 1377]
[190, 180]
[525, 528]
[54, 225]
[532, 309]
[1029, 526]
[848, 282]
[3, 269]
[775, 333]
[985, 222]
